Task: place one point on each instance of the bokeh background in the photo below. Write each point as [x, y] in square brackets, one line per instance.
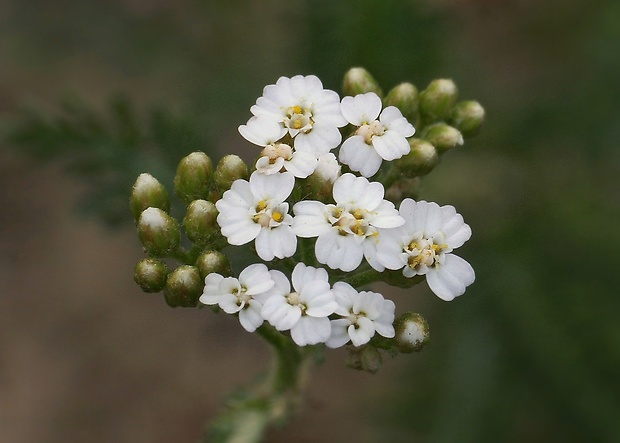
[94, 92]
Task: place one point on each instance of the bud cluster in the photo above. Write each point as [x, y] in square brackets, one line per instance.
[318, 211]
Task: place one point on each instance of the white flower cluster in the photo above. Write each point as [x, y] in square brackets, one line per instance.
[260, 294]
[297, 123]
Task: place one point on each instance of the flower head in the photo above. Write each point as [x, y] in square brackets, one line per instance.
[362, 314]
[381, 135]
[276, 155]
[304, 310]
[244, 295]
[424, 245]
[347, 230]
[308, 113]
[257, 210]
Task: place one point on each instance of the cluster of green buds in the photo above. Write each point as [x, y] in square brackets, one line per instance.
[197, 185]
[339, 217]
[442, 123]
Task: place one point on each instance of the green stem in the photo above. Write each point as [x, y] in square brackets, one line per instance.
[361, 278]
[271, 402]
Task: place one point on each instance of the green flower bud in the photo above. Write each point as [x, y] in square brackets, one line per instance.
[419, 161]
[402, 189]
[193, 178]
[147, 192]
[365, 358]
[437, 100]
[213, 262]
[230, 168]
[359, 81]
[468, 117]
[200, 221]
[405, 98]
[150, 274]
[442, 136]
[411, 332]
[183, 287]
[158, 232]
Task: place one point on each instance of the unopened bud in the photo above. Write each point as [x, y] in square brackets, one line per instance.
[359, 81]
[437, 100]
[213, 262]
[420, 160]
[366, 358]
[150, 274]
[405, 98]
[468, 117]
[230, 168]
[442, 136]
[193, 178]
[183, 287]
[411, 332]
[319, 185]
[200, 221]
[402, 189]
[158, 232]
[148, 192]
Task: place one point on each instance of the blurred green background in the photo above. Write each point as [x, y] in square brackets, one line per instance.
[94, 92]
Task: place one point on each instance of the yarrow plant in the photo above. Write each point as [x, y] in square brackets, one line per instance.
[329, 207]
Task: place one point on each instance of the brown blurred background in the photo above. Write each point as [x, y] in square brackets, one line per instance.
[94, 92]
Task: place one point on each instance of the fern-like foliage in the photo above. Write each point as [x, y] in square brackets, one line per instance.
[106, 150]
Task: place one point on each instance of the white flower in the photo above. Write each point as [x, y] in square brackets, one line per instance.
[305, 310]
[257, 210]
[424, 245]
[309, 113]
[328, 167]
[347, 231]
[276, 156]
[362, 314]
[374, 140]
[244, 295]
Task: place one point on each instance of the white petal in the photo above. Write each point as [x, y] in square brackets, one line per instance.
[239, 194]
[262, 130]
[393, 119]
[318, 298]
[276, 187]
[452, 278]
[320, 140]
[389, 249]
[264, 165]
[302, 275]
[453, 227]
[369, 246]
[256, 279]
[311, 330]
[240, 232]
[386, 216]
[302, 164]
[250, 317]
[229, 303]
[359, 156]
[338, 252]
[384, 324]
[363, 333]
[344, 294]
[280, 314]
[212, 283]
[339, 336]
[391, 145]
[369, 303]
[278, 242]
[310, 219]
[363, 108]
